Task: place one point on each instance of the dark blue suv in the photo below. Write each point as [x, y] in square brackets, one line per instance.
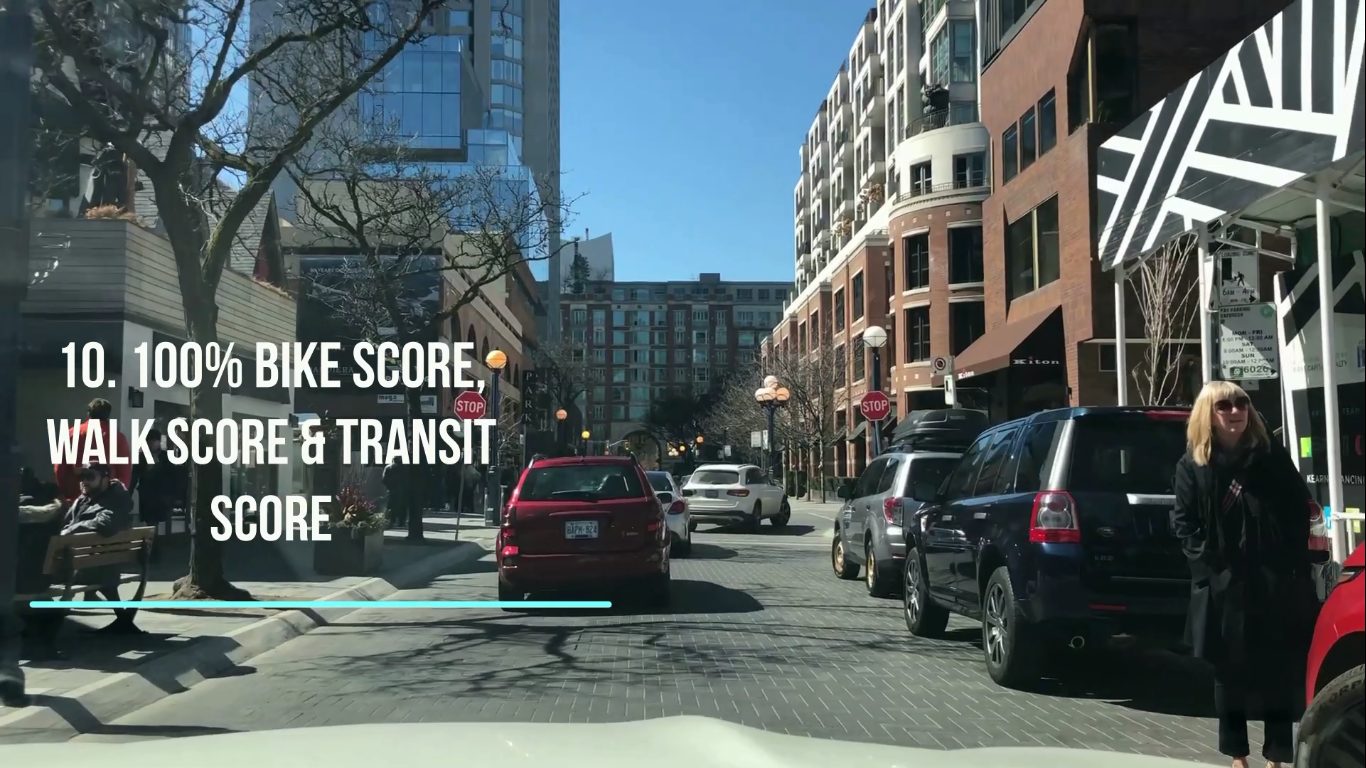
[1053, 530]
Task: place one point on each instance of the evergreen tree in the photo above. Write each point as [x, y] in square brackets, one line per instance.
[579, 273]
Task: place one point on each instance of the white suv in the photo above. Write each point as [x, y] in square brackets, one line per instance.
[735, 493]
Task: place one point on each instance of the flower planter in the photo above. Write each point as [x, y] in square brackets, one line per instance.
[349, 554]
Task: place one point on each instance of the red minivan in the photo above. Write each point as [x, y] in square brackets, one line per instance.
[583, 522]
[1332, 733]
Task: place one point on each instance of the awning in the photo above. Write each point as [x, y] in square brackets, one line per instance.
[857, 432]
[995, 349]
[1233, 134]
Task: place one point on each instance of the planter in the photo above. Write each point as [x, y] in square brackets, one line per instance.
[349, 554]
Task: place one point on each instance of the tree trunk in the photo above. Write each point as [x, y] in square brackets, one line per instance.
[416, 482]
[205, 579]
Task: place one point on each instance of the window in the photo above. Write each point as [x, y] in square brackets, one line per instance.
[969, 170]
[458, 19]
[1048, 123]
[699, 337]
[991, 480]
[581, 481]
[618, 318]
[680, 318]
[921, 181]
[699, 316]
[858, 295]
[1028, 139]
[599, 355]
[967, 323]
[888, 474]
[1036, 457]
[960, 483]
[940, 58]
[1010, 157]
[839, 310]
[599, 317]
[1116, 72]
[965, 255]
[917, 334]
[578, 316]
[763, 294]
[917, 260]
[744, 294]
[1032, 256]
[860, 362]
[964, 64]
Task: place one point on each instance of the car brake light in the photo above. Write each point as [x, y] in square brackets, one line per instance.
[889, 507]
[738, 492]
[510, 516]
[678, 507]
[1054, 518]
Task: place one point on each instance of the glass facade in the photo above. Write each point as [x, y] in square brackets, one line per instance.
[505, 67]
[418, 93]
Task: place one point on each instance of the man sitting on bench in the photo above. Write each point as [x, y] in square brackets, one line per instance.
[104, 507]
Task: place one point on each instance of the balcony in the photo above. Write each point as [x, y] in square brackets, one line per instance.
[872, 108]
[844, 206]
[955, 114]
[843, 146]
[946, 189]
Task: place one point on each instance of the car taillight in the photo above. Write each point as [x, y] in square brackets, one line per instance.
[509, 516]
[889, 510]
[1054, 518]
[678, 507]
[738, 492]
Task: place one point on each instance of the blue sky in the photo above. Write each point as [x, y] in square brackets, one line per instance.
[680, 123]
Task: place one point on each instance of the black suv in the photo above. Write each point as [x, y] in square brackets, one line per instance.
[1054, 529]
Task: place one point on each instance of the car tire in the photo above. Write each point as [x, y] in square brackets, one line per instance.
[506, 594]
[692, 527]
[1331, 731]
[875, 575]
[924, 617]
[682, 547]
[844, 568]
[784, 516]
[1009, 644]
[756, 516]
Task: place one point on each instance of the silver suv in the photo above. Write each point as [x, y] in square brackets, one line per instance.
[868, 529]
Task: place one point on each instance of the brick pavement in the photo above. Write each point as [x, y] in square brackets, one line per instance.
[761, 633]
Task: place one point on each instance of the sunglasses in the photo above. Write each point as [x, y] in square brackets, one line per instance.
[1224, 406]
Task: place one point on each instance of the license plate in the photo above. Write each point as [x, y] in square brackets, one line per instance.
[712, 494]
[581, 529]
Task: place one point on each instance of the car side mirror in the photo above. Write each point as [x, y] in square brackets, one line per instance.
[665, 497]
[842, 492]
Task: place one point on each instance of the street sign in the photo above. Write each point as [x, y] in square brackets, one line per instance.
[875, 406]
[470, 405]
[941, 364]
[1247, 342]
[950, 391]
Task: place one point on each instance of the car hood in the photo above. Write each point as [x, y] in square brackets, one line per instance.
[671, 742]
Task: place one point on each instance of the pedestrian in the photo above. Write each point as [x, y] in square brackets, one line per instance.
[104, 507]
[156, 485]
[1242, 514]
[40, 518]
[99, 412]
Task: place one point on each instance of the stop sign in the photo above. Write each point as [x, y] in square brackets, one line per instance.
[470, 405]
[875, 406]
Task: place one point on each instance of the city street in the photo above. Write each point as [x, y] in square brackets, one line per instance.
[761, 633]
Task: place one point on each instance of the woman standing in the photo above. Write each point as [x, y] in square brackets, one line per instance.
[1242, 513]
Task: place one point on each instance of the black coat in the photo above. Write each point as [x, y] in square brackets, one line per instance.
[1227, 580]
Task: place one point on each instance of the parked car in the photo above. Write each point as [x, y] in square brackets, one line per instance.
[736, 493]
[1332, 732]
[1054, 529]
[675, 511]
[583, 522]
[868, 526]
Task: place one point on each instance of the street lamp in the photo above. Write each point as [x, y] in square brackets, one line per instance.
[560, 416]
[496, 360]
[874, 337]
[771, 397]
[585, 435]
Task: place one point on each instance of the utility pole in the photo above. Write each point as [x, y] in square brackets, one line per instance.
[16, 71]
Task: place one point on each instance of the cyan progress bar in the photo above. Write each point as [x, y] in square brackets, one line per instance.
[438, 605]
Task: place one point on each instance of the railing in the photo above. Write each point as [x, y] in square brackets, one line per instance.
[954, 114]
[938, 189]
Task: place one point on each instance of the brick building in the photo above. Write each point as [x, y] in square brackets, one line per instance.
[1058, 78]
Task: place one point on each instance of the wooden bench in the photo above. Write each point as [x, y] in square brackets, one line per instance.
[69, 555]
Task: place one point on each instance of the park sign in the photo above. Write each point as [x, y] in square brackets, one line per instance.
[875, 406]
[470, 405]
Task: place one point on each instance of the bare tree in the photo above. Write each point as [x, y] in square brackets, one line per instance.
[400, 223]
[1168, 299]
[156, 80]
[563, 371]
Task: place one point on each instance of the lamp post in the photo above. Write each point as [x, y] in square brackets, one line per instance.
[560, 416]
[874, 337]
[772, 396]
[496, 360]
[584, 435]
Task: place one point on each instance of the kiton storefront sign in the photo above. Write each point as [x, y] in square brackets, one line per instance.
[1035, 361]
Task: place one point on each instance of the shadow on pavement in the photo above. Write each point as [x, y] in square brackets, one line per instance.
[1141, 679]
[702, 551]
[767, 529]
[687, 597]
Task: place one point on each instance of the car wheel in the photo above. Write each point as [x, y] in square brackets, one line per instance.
[784, 516]
[1008, 642]
[682, 547]
[844, 567]
[692, 527]
[874, 573]
[923, 617]
[506, 594]
[1331, 731]
[755, 517]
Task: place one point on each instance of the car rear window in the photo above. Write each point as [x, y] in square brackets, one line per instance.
[659, 481]
[1131, 454]
[715, 477]
[928, 473]
[588, 482]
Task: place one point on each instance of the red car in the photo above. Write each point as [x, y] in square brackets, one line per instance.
[1333, 731]
[583, 522]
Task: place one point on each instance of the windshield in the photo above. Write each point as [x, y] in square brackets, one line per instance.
[580, 482]
[1126, 455]
[715, 477]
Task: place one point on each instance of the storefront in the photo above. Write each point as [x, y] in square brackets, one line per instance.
[1263, 150]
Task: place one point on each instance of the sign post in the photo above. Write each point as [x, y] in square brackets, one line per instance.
[943, 366]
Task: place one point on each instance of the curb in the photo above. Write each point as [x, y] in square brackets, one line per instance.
[92, 707]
